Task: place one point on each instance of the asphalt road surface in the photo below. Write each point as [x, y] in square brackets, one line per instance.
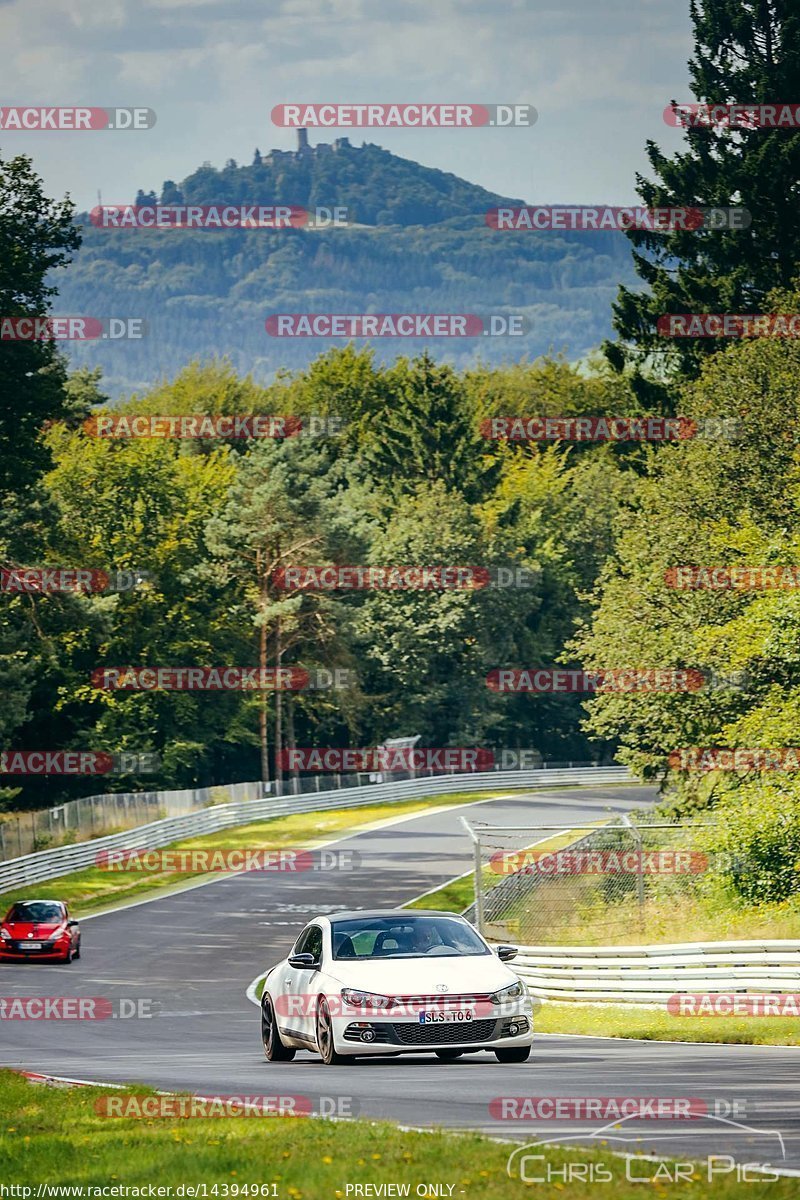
[189, 957]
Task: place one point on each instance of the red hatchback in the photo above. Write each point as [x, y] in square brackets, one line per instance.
[39, 929]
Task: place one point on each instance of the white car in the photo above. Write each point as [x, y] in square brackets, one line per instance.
[395, 982]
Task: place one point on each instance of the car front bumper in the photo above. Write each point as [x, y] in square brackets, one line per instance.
[367, 1034]
[11, 952]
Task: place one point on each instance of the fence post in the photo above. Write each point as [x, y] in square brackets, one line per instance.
[637, 837]
[476, 858]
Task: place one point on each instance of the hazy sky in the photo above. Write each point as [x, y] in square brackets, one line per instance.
[599, 72]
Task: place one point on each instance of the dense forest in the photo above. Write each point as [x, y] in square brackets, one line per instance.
[409, 479]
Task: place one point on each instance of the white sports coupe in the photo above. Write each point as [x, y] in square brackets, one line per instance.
[395, 982]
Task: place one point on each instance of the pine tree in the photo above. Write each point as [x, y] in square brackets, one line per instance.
[746, 51]
[427, 433]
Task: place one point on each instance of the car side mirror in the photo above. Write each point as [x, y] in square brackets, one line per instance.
[506, 953]
[71, 923]
[302, 961]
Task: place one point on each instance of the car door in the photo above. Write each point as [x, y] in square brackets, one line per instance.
[285, 993]
[305, 984]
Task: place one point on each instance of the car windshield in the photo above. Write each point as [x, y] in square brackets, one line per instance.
[404, 937]
[36, 911]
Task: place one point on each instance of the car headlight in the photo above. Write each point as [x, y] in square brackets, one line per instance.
[512, 992]
[366, 999]
[5, 935]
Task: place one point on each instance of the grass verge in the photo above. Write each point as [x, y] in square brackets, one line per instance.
[625, 1021]
[654, 1024]
[93, 889]
[714, 918]
[50, 1135]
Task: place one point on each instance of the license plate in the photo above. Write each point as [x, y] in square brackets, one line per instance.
[31, 945]
[447, 1017]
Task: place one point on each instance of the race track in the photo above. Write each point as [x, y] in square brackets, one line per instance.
[193, 954]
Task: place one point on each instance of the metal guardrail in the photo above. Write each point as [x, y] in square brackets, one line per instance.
[651, 974]
[49, 864]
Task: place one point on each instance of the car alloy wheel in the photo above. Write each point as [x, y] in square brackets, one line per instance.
[274, 1049]
[325, 1043]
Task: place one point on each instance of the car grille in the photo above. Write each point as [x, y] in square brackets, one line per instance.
[441, 1034]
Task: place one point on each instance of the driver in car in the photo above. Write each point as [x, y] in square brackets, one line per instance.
[422, 939]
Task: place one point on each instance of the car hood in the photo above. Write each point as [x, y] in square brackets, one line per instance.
[421, 976]
[36, 929]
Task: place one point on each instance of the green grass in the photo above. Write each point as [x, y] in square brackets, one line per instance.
[93, 889]
[712, 918]
[455, 896]
[50, 1135]
[652, 1024]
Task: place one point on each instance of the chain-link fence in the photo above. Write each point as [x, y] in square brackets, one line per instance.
[629, 880]
[96, 816]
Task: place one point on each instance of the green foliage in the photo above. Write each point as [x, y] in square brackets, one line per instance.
[760, 830]
[746, 52]
[37, 236]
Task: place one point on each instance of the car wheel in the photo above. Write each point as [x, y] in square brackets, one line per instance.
[513, 1054]
[78, 949]
[325, 1043]
[448, 1055]
[274, 1049]
[68, 956]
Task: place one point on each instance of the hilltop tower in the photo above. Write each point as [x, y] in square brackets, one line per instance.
[302, 141]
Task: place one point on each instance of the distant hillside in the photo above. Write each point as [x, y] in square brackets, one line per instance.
[376, 187]
[428, 250]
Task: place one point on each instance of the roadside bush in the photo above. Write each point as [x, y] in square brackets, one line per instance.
[760, 830]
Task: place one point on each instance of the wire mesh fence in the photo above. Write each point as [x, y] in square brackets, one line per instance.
[96, 816]
[629, 880]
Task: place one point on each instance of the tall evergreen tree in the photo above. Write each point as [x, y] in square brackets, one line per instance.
[746, 52]
[427, 433]
[36, 236]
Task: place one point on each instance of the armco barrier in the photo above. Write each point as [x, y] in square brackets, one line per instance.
[48, 864]
[651, 974]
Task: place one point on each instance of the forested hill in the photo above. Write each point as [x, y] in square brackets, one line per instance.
[421, 244]
[376, 187]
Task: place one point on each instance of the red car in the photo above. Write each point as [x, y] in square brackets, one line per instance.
[39, 929]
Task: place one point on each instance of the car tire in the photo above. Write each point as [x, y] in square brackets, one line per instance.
[77, 953]
[68, 956]
[324, 1031]
[274, 1049]
[448, 1055]
[512, 1054]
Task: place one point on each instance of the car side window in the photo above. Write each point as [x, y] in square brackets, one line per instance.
[300, 944]
[313, 943]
